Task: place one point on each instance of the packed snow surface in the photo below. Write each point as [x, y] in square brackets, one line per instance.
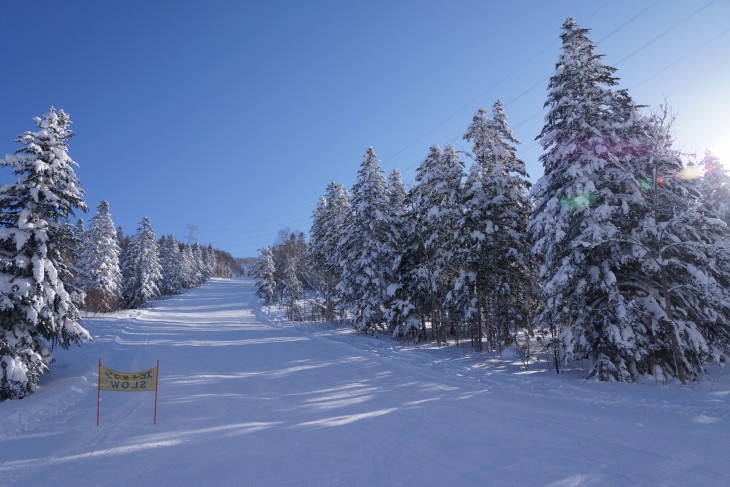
[246, 398]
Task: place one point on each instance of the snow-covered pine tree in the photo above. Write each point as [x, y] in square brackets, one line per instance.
[292, 288]
[496, 280]
[99, 270]
[582, 206]
[397, 192]
[329, 222]
[411, 294]
[426, 268]
[188, 267]
[679, 304]
[290, 259]
[397, 205]
[162, 246]
[513, 281]
[445, 218]
[474, 252]
[171, 265]
[36, 309]
[368, 249]
[141, 271]
[397, 198]
[198, 265]
[264, 270]
[209, 261]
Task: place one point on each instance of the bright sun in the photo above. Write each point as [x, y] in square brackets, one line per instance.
[722, 151]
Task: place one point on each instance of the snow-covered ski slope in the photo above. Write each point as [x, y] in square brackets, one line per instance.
[247, 399]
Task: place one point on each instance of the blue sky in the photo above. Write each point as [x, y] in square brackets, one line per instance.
[234, 115]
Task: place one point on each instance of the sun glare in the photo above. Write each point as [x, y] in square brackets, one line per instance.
[722, 151]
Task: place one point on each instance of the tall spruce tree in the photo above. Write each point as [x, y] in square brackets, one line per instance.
[99, 269]
[264, 271]
[198, 266]
[471, 252]
[36, 308]
[512, 282]
[591, 136]
[412, 298]
[426, 269]
[368, 250]
[494, 289]
[476, 255]
[171, 266]
[209, 261]
[399, 227]
[329, 222]
[189, 274]
[142, 272]
[397, 192]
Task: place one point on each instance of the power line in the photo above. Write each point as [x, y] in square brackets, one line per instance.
[680, 59]
[451, 115]
[667, 31]
[636, 16]
[613, 32]
[513, 72]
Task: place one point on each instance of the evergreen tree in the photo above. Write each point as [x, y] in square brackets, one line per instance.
[679, 304]
[189, 274]
[198, 265]
[590, 137]
[635, 267]
[426, 269]
[36, 309]
[329, 222]
[142, 271]
[292, 288]
[491, 234]
[209, 262]
[171, 265]
[397, 192]
[473, 256]
[99, 269]
[264, 270]
[511, 289]
[397, 203]
[368, 248]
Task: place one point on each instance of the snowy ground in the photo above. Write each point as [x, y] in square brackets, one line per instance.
[248, 399]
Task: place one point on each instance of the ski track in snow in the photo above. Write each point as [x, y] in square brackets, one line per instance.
[246, 398]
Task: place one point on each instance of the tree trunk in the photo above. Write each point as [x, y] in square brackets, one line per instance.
[478, 340]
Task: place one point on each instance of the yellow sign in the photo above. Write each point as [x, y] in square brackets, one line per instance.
[111, 380]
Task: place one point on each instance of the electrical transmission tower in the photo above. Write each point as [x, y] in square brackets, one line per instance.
[191, 233]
